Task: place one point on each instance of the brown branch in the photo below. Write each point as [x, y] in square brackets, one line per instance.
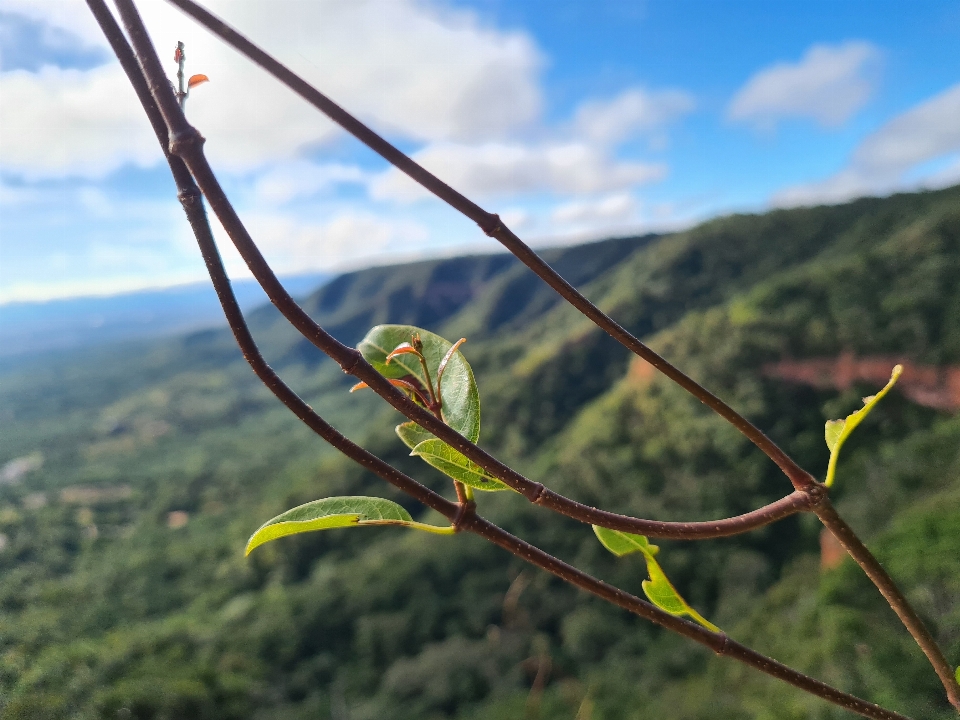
[187, 143]
[494, 227]
[802, 481]
[891, 593]
[720, 643]
[192, 203]
[463, 514]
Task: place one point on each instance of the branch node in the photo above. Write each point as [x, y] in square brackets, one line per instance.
[189, 196]
[465, 510]
[491, 224]
[722, 650]
[350, 365]
[182, 141]
[537, 495]
[816, 493]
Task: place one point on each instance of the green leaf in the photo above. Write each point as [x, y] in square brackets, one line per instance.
[658, 588]
[623, 543]
[337, 512]
[461, 399]
[453, 463]
[836, 432]
[832, 432]
[412, 434]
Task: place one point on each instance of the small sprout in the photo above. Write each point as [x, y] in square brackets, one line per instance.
[837, 431]
[658, 589]
[406, 354]
[183, 88]
[403, 349]
[443, 364]
[402, 384]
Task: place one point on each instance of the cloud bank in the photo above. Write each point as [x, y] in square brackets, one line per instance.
[828, 85]
[895, 156]
[412, 69]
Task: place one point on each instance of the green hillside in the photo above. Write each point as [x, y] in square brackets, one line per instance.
[123, 587]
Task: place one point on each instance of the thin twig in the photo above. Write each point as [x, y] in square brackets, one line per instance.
[802, 481]
[493, 226]
[187, 143]
[192, 202]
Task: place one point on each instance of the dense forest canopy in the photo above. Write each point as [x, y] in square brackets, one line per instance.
[133, 474]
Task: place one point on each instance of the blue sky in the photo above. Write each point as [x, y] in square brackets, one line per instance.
[573, 120]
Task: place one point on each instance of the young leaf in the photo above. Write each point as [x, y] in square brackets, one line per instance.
[337, 512]
[836, 432]
[623, 543]
[458, 391]
[444, 458]
[197, 80]
[412, 434]
[658, 588]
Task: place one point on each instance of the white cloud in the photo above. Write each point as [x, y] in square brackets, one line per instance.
[465, 93]
[71, 122]
[300, 179]
[66, 15]
[411, 68]
[633, 111]
[350, 238]
[829, 84]
[12, 196]
[613, 208]
[885, 160]
[501, 169]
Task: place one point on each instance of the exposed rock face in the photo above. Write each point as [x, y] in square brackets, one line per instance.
[933, 387]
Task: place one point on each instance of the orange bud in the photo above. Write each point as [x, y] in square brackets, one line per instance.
[196, 80]
[177, 55]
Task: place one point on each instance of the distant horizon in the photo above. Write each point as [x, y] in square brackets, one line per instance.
[185, 285]
[458, 251]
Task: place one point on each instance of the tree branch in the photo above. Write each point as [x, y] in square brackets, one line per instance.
[187, 143]
[192, 202]
[463, 515]
[494, 227]
[802, 481]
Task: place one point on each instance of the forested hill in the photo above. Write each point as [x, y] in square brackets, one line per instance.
[132, 475]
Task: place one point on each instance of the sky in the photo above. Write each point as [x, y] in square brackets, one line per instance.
[572, 120]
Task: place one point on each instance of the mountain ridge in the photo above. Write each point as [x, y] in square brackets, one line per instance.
[142, 599]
